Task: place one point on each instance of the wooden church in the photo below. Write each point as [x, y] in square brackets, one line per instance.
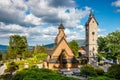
[61, 56]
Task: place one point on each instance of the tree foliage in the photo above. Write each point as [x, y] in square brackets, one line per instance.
[99, 71]
[110, 45]
[39, 53]
[18, 47]
[88, 70]
[74, 45]
[100, 78]
[40, 57]
[39, 49]
[11, 67]
[114, 71]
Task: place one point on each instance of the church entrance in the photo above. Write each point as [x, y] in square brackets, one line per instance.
[63, 59]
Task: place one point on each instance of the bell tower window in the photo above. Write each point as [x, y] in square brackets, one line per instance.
[93, 33]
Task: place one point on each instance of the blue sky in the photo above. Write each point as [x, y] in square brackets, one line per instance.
[38, 20]
[105, 13]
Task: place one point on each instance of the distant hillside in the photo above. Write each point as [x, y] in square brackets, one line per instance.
[50, 45]
[81, 42]
[3, 48]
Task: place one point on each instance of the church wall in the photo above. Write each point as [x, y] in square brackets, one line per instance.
[53, 65]
[45, 64]
[58, 66]
[63, 45]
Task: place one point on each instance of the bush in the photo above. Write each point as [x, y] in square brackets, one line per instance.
[88, 70]
[99, 71]
[114, 71]
[6, 77]
[29, 79]
[34, 73]
[20, 64]
[12, 66]
[100, 78]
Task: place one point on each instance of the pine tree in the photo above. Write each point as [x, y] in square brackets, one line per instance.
[18, 47]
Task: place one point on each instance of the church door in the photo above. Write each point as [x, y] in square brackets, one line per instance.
[63, 60]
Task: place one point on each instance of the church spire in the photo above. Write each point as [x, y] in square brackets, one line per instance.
[61, 25]
[61, 34]
[91, 14]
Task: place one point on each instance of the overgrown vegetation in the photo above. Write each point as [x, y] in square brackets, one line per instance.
[100, 78]
[34, 73]
[114, 71]
[98, 74]
[11, 67]
[99, 71]
[87, 70]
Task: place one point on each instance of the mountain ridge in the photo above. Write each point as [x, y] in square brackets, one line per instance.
[4, 48]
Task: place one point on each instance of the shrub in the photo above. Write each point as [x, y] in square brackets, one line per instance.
[114, 71]
[29, 79]
[99, 71]
[6, 77]
[88, 70]
[20, 64]
[12, 66]
[100, 78]
[34, 73]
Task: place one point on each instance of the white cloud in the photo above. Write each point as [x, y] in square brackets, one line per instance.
[39, 19]
[116, 3]
[118, 10]
[50, 14]
[33, 19]
[101, 30]
[33, 34]
[81, 27]
[12, 11]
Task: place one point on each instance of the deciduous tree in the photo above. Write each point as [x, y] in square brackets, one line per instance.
[110, 45]
[74, 45]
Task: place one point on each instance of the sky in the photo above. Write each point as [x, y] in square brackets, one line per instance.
[39, 20]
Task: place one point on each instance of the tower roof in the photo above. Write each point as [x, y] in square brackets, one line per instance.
[61, 26]
[90, 17]
[91, 14]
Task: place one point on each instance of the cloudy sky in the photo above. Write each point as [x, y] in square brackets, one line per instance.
[38, 20]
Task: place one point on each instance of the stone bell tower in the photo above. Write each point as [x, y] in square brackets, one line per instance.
[91, 27]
